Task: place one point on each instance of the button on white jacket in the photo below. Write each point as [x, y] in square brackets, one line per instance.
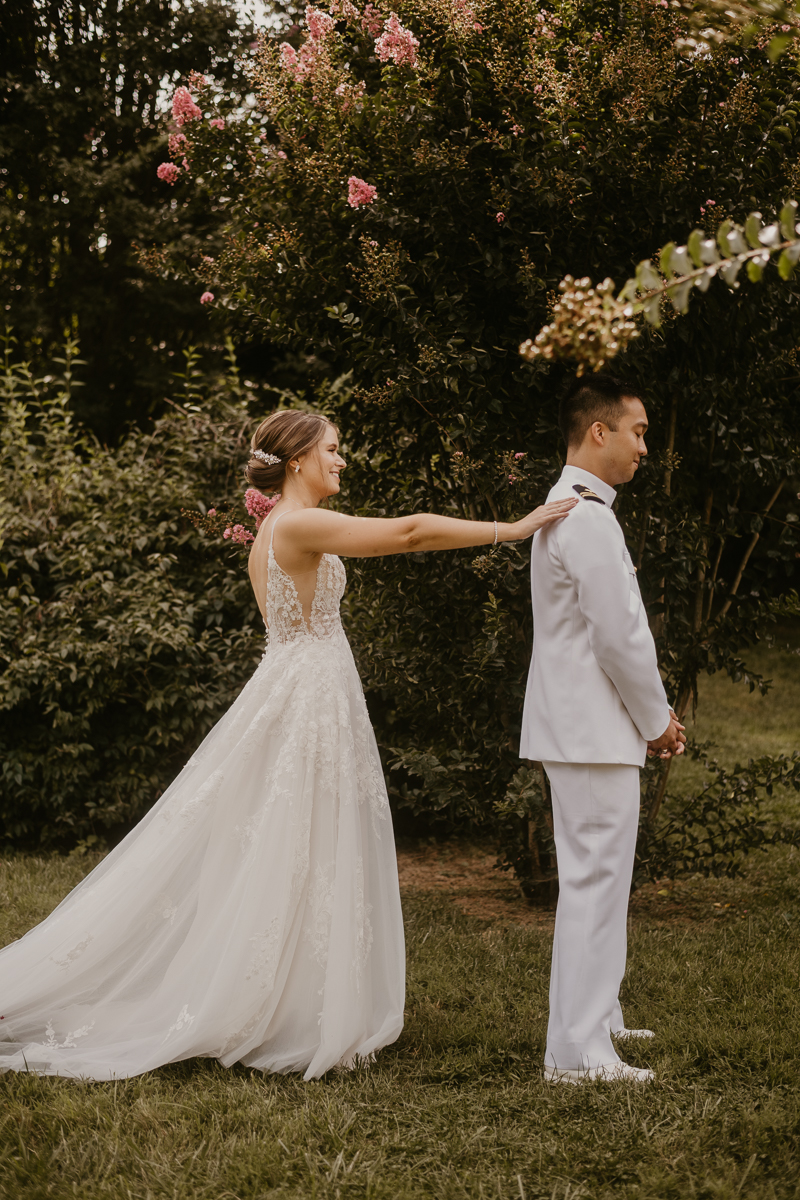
[594, 691]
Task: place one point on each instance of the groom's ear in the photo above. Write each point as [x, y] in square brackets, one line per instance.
[597, 433]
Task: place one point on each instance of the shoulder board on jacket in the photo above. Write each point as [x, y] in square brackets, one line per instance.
[586, 493]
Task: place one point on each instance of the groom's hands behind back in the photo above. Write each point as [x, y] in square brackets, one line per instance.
[672, 740]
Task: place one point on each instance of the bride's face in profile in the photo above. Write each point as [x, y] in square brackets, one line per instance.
[323, 464]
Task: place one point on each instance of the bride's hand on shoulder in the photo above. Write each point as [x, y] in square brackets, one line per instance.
[545, 514]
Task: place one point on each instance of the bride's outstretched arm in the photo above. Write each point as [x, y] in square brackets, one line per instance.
[319, 531]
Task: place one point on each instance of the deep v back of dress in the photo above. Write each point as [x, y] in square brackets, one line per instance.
[285, 619]
[253, 914]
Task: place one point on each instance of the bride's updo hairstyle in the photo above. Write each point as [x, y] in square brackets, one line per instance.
[284, 435]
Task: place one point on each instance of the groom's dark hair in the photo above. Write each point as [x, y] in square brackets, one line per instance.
[596, 398]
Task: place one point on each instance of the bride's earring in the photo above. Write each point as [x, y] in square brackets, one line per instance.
[297, 468]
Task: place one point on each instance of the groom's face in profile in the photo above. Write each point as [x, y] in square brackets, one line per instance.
[624, 447]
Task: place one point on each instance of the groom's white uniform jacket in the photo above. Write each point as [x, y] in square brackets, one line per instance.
[594, 691]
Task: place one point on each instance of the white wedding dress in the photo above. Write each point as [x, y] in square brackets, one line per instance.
[254, 914]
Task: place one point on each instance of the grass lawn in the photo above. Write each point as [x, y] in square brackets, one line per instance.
[457, 1108]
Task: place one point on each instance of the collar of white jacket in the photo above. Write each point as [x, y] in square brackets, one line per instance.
[578, 475]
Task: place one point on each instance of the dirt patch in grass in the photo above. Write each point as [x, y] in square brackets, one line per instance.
[468, 876]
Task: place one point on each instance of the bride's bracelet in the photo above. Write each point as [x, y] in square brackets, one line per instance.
[494, 543]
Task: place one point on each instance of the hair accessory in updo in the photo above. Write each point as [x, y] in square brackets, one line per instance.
[271, 460]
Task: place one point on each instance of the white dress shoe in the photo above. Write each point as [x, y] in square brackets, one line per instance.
[632, 1033]
[618, 1072]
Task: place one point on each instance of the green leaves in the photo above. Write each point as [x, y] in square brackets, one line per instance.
[788, 220]
[711, 830]
[693, 246]
[752, 229]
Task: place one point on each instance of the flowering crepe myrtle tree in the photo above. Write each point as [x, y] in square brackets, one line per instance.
[405, 191]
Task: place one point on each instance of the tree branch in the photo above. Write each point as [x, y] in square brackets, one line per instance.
[746, 556]
[592, 325]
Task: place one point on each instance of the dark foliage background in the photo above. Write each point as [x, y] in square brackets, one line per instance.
[84, 89]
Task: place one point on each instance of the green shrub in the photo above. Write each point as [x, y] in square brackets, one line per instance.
[123, 633]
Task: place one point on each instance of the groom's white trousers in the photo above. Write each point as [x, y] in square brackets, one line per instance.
[595, 818]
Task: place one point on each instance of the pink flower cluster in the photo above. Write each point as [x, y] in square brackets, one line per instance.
[393, 43]
[320, 24]
[217, 123]
[519, 454]
[344, 10]
[258, 505]
[184, 108]
[206, 297]
[397, 43]
[303, 65]
[371, 20]
[547, 24]
[500, 218]
[359, 192]
[168, 172]
[239, 534]
[291, 63]
[708, 204]
[177, 141]
[462, 16]
[350, 93]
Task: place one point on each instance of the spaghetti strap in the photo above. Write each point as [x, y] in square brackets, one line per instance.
[274, 523]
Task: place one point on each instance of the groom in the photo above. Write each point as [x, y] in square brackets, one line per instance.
[594, 707]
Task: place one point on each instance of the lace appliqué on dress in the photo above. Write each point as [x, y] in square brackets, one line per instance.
[162, 910]
[74, 953]
[185, 1021]
[363, 927]
[264, 960]
[70, 1041]
[320, 902]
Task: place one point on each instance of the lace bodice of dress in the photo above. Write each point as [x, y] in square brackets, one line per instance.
[285, 622]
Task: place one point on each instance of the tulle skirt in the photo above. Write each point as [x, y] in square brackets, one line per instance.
[252, 916]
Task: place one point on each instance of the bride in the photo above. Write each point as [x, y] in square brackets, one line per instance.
[253, 915]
